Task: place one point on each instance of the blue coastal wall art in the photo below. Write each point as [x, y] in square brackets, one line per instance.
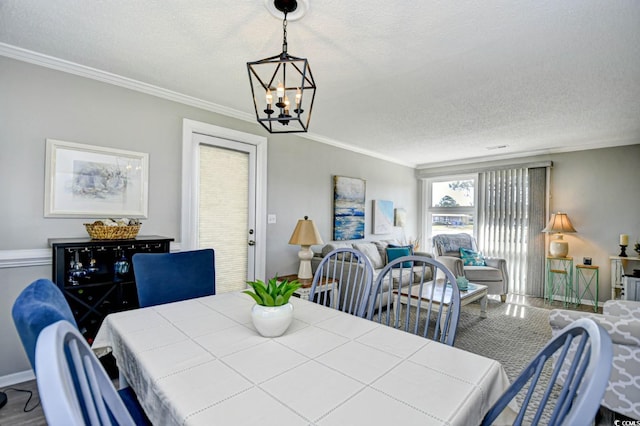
[348, 208]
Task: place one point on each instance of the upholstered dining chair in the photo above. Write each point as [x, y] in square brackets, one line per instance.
[171, 277]
[73, 386]
[585, 349]
[343, 281]
[489, 271]
[38, 306]
[405, 297]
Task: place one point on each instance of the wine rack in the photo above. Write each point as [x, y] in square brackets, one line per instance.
[96, 276]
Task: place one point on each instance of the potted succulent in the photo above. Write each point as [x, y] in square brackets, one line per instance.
[272, 314]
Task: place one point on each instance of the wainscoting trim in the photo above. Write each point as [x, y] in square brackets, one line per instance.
[37, 257]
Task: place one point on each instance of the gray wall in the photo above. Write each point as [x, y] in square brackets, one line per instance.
[39, 103]
[301, 183]
[600, 191]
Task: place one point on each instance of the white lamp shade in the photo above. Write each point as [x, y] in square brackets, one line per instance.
[558, 224]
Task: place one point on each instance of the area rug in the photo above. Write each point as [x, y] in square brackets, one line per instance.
[511, 334]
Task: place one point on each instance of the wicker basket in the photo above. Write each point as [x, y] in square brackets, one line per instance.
[103, 232]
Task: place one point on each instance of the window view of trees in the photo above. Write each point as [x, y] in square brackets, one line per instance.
[452, 206]
[447, 201]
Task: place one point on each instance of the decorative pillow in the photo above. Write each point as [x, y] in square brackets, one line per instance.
[409, 246]
[395, 252]
[332, 246]
[371, 251]
[471, 258]
[382, 249]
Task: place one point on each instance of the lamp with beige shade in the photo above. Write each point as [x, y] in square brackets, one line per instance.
[305, 235]
[559, 224]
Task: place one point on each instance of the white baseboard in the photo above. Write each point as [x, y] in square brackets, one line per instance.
[15, 378]
[582, 301]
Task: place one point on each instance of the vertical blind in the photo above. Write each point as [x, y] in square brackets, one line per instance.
[502, 221]
[223, 213]
[510, 209]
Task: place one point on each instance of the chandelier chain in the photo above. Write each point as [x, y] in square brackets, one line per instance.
[284, 33]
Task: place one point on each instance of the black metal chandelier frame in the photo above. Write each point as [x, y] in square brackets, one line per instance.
[283, 74]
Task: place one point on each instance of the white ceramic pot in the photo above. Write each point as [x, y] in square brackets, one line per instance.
[272, 321]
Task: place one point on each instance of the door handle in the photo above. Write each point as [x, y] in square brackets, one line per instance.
[252, 243]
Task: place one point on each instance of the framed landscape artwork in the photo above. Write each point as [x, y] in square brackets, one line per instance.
[348, 208]
[382, 217]
[92, 181]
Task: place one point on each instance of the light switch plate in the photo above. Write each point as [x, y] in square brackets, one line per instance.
[271, 218]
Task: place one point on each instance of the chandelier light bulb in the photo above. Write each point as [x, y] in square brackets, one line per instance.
[269, 98]
[280, 90]
[286, 105]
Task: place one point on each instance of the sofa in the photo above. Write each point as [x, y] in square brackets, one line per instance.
[621, 319]
[376, 252]
[489, 271]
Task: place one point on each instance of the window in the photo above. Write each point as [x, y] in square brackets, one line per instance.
[504, 209]
[451, 205]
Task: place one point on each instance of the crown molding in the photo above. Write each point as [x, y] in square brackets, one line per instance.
[69, 67]
[342, 145]
[117, 80]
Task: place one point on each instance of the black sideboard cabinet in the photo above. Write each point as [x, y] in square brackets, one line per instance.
[96, 276]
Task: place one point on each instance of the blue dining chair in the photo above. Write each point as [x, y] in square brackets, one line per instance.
[585, 351]
[410, 279]
[171, 277]
[41, 304]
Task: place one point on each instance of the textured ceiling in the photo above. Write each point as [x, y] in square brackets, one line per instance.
[417, 82]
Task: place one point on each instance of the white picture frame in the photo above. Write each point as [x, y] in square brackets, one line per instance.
[95, 182]
[382, 217]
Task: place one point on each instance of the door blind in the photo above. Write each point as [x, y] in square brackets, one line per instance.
[223, 213]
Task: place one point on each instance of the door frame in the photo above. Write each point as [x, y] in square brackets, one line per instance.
[190, 161]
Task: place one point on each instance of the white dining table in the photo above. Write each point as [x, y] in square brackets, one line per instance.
[201, 362]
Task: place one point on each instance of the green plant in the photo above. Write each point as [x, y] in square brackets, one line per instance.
[272, 293]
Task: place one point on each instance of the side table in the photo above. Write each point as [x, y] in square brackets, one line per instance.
[304, 292]
[560, 275]
[588, 275]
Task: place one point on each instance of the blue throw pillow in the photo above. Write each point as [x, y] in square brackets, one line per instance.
[471, 258]
[395, 252]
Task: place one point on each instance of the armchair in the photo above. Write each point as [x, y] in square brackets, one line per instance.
[621, 319]
[493, 274]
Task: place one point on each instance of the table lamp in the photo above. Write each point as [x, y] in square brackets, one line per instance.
[305, 235]
[559, 224]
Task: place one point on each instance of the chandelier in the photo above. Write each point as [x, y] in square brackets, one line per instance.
[282, 86]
